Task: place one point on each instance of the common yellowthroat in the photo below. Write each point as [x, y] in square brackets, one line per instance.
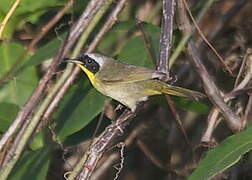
[127, 83]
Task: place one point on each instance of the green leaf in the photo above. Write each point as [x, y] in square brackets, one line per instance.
[33, 6]
[37, 141]
[80, 106]
[32, 165]
[9, 52]
[8, 112]
[45, 52]
[115, 39]
[135, 51]
[131, 53]
[21, 86]
[88, 132]
[28, 6]
[27, 11]
[224, 155]
[124, 26]
[190, 105]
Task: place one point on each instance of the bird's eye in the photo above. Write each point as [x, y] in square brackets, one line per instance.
[93, 67]
[90, 63]
[89, 60]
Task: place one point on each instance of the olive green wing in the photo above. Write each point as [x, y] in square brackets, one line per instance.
[116, 71]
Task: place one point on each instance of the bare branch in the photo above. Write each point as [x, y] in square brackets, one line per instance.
[206, 41]
[89, 161]
[49, 25]
[233, 121]
[68, 81]
[31, 105]
[166, 35]
[239, 88]
[43, 31]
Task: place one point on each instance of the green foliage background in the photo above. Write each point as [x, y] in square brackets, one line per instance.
[82, 104]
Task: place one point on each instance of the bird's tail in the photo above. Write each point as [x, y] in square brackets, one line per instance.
[182, 92]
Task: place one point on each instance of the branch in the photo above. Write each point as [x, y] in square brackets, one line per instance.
[240, 86]
[85, 162]
[69, 78]
[233, 121]
[23, 116]
[187, 36]
[110, 161]
[8, 16]
[43, 31]
[206, 41]
[66, 79]
[89, 161]
[166, 36]
[165, 49]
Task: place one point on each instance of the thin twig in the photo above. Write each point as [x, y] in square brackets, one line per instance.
[103, 167]
[44, 30]
[164, 53]
[224, 19]
[37, 95]
[211, 124]
[248, 110]
[32, 103]
[7, 17]
[233, 121]
[241, 70]
[179, 122]
[99, 123]
[146, 41]
[8, 75]
[187, 36]
[109, 23]
[239, 87]
[205, 39]
[59, 89]
[246, 69]
[122, 159]
[165, 49]
[70, 78]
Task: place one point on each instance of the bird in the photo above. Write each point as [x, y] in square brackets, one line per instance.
[126, 83]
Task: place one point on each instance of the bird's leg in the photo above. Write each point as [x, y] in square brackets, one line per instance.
[165, 77]
[173, 80]
[118, 108]
[122, 119]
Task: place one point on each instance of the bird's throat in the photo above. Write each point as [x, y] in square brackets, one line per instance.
[90, 75]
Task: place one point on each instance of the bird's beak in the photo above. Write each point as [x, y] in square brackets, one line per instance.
[75, 61]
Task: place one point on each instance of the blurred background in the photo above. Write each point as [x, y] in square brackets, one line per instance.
[158, 145]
